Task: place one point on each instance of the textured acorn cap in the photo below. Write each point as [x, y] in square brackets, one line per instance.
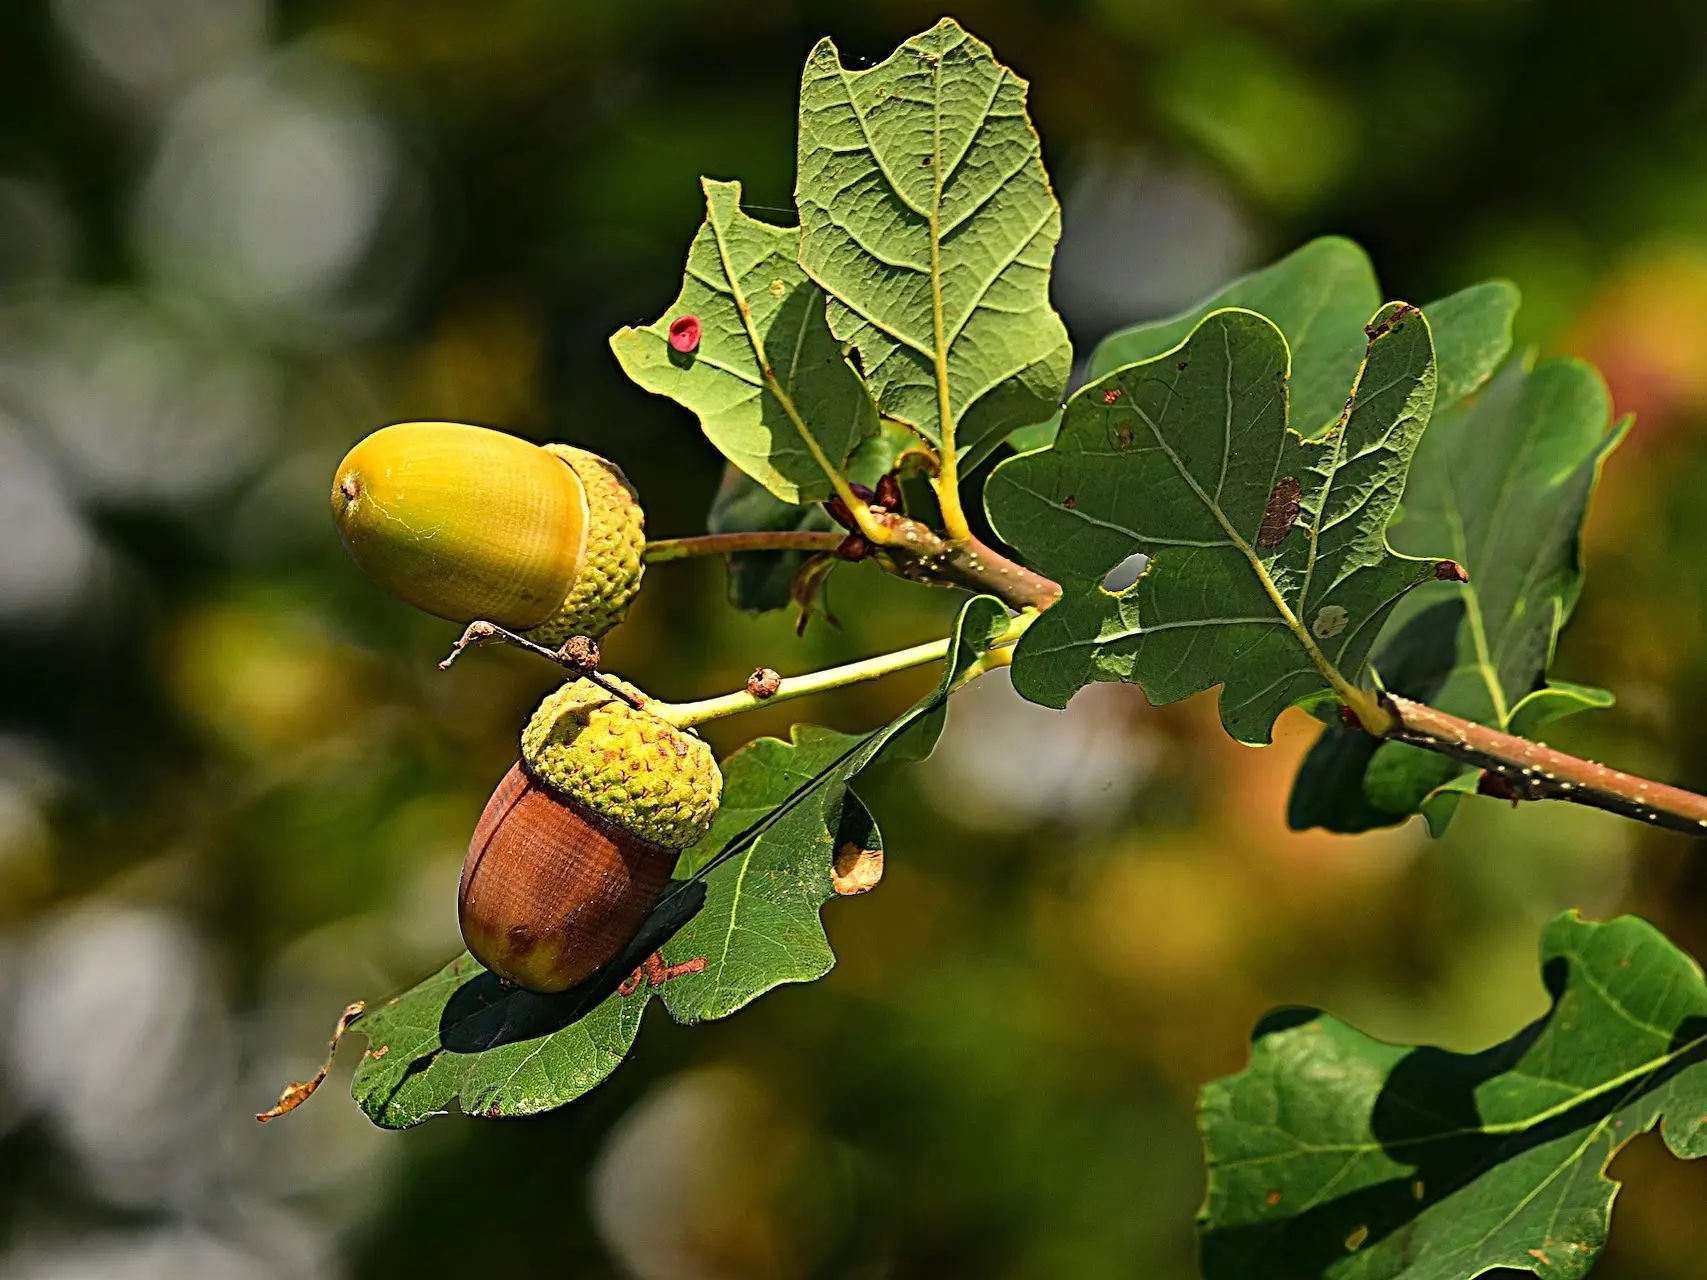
[630, 767]
[465, 522]
[611, 565]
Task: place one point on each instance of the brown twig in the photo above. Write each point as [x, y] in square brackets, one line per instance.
[913, 550]
[917, 552]
[1534, 771]
[579, 658]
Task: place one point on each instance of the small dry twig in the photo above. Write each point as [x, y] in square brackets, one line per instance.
[300, 1091]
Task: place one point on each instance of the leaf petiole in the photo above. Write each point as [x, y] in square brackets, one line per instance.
[721, 544]
[686, 714]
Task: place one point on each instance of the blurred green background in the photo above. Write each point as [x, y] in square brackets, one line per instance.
[234, 789]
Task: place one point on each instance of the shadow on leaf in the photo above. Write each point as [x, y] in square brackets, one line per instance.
[1328, 791]
[487, 1013]
[1426, 1117]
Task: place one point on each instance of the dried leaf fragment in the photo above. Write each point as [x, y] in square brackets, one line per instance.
[856, 870]
[300, 1091]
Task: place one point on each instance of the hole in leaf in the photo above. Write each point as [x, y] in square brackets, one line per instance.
[1125, 573]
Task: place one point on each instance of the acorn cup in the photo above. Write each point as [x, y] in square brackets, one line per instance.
[472, 524]
[577, 843]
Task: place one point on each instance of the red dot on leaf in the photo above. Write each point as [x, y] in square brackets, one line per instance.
[684, 334]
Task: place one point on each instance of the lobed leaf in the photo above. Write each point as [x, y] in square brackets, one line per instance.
[1334, 1155]
[1319, 296]
[773, 390]
[927, 218]
[1502, 485]
[1268, 557]
[750, 917]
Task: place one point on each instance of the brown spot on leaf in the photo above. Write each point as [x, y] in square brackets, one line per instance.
[1281, 513]
[1355, 1240]
[1071, 502]
[1450, 571]
[1111, 395]
[777, 289]
[1181, 365]
[1123, 436]
[379, 1051]
[1540, 1257]
[856, 870]
[1417, 1189]
[300, 1091]
[1274, 1197]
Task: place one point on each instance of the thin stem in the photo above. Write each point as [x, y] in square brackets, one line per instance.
[687, 714]
[565, 657]
[946, 482]
[722, 544]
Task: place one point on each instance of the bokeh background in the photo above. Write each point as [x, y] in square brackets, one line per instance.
[234, 789]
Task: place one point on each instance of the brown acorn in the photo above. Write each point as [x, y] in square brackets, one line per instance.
[577, 843]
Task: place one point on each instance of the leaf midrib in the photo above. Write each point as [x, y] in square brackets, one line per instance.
[831, 472]
[1327, 669]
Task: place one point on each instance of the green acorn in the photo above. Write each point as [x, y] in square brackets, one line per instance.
[469, 523]
[577, 843]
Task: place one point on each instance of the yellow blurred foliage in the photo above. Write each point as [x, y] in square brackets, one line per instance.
[266, 677]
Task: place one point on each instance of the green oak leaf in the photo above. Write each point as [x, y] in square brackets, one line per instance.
[1502, 485]
[746, 901]
[760, 925]
[1319, 296]
[928, 219]
[773, 390]
[1263, 547]
[1472, 335]
[1335, 1156]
